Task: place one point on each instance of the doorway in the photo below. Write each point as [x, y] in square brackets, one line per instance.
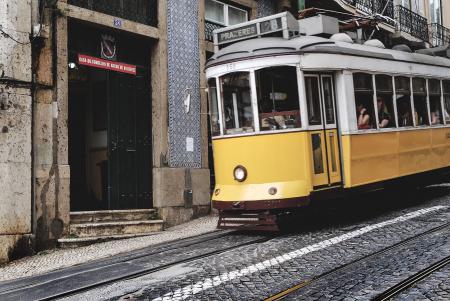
[324, 135]
[110, 128]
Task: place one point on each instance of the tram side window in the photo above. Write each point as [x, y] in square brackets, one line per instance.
[278, 101]
[213, 107]
[420, 102]
[446, 86]
[237, 104]
[385, 106]
[403, 99]
[365, 116]
[313, 100]
[434, 90]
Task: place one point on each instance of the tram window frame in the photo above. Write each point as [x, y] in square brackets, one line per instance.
[364, 87]
[235, 114]
[446, 100]
[274, 120]
[404, 119]
[314, 110]
[420, 102]
[384, 92]
[435, 99]
[213, 109]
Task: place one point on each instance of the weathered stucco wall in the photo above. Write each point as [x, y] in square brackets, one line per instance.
[15, 128]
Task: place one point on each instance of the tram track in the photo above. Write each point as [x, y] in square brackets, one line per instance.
[392, 291]
[410, 281]
[60, 286]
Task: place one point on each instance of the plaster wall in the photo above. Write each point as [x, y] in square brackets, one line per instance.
[15, 127]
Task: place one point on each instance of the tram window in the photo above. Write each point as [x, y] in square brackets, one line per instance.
[403, 99]
[446, 86]
[385, 106]
[213, 107]
[313, 100]
[237, 104]
[327, 86]
[364, 100]
[434, 90]
[278, 101]
[420, 102]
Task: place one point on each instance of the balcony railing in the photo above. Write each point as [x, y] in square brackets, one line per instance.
[209, 28]
[439, 35]
[372, 7]
[141, 11]
[412, 23]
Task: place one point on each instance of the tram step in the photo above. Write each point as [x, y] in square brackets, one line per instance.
[77, 242]
[97, 229]
[111, 215]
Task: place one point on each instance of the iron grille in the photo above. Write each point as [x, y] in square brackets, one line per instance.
[372, 7]
[440, 35]
[141, 11]
[209, 28]
[412, 23]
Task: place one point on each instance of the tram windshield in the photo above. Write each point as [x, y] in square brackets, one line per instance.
[237, 103]
[277, 101]
[277, 93]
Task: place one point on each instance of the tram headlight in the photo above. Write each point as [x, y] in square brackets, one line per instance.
[240, 173]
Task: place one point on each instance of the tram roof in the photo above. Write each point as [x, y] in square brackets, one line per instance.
[310, 44]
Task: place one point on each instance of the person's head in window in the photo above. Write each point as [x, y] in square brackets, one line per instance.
[363, 116]
[384, 118]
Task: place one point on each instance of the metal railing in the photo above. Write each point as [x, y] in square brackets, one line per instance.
[373, 7]
[439, 35]
[209, 28]
[140, 11]
[412, 23]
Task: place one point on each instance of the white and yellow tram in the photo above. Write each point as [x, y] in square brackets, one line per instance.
[295, 117]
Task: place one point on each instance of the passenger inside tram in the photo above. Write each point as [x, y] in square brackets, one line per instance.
[384, 118]
[404, 111]
[363, 116]
[278, 101]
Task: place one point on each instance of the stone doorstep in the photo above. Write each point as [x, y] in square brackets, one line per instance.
[80, 217]
[67, 243]
[112, 228]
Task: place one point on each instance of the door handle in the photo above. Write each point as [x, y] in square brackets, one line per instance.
[130, 150]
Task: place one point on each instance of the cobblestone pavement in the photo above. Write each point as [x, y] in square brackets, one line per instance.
[435, 287]
[369, 278]
[59, 258]
[326, 240]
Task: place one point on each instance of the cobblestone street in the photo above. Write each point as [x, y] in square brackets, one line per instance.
[264, 268]
[352, 249]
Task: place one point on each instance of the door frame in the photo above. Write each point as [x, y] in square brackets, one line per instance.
[326, 131]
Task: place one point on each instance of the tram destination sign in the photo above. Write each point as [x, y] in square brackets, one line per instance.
[243, 32]
[91, 61]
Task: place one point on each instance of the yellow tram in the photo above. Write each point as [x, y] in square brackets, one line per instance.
[294, 117]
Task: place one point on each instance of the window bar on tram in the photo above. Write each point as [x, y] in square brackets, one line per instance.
[444, 119]
[302, 95]
[254, 100]
[394, 102]
[412, 101]
[374, 96]
[219, 105]
[427, 89]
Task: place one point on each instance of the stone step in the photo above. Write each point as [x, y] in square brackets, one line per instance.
[98, 229]
[77, 242]
[80, 217]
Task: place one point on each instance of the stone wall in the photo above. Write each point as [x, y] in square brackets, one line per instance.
[15, 128]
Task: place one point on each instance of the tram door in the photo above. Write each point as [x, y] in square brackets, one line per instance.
[323, 135]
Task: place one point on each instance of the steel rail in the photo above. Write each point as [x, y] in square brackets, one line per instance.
[18, 290]
[281, 295]
[407, 283]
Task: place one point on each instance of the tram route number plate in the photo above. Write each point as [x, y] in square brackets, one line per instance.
[237, 34]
